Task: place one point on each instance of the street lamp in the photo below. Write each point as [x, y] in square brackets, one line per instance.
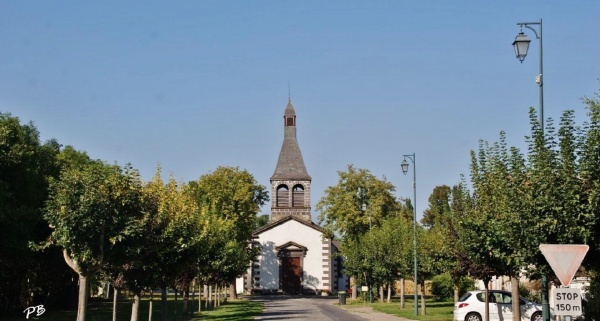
[404, 170]
[521, 45]
[364, 209]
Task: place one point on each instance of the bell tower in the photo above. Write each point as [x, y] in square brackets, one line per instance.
[290, 184]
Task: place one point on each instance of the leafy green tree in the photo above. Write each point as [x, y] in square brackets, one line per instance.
[590, 177]
[438, 212]
[90, 210]
[262, 220]
[341, 205]
[381, 254]
[231, 198]
[26, 166]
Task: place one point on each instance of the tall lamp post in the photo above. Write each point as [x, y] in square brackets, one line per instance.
[364, 209]
[521, 45]
[404, 170]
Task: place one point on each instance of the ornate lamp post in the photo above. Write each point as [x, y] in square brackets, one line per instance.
[521, 45]
[404, 170]
[364, 209]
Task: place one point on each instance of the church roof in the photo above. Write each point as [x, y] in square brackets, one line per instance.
[271, 225]
[290, 164]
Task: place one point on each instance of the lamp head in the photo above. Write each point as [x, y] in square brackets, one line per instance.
[404, 166]
[521, 45]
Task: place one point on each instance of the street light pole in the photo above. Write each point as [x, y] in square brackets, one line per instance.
[404, 170]
[521, 45]
[364, 209]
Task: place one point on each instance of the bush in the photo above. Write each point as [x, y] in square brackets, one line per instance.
[442, 287]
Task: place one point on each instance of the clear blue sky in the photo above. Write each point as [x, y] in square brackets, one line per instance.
[198, 84]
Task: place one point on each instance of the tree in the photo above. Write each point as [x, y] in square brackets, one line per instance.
[26, 166]
[91, 210]
[381, 254]
[438, 212]
[261, 220]
[341, 205]
[231, 198]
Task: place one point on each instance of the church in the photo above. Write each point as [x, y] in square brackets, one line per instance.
[294, 258]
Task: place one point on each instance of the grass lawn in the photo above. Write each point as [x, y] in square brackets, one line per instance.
[102, 311]
[436, 311]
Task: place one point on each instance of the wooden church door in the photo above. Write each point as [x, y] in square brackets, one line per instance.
[291, 269]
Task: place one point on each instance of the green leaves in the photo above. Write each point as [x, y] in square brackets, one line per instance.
[341, 206]
[91, 209]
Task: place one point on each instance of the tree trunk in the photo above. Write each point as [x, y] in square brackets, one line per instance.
[150, 305]
[423, 307]
[115, 297]
[186, 296]
[381, 293]
[402, 302]
[163, 303]
[218, 295]
[233, 290]
[456, 291]
[209, 303]
[175, 309]
[354, 289]
[135, 308]
[200, 294]
[84, 289]
[193, 297]
[514, 284]
[487, 300]
[389, 293]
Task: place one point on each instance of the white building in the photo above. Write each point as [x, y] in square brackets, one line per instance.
[295, 258]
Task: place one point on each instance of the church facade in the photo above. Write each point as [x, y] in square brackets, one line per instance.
[295, 257]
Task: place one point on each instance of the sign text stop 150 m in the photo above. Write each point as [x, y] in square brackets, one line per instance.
[567, 301]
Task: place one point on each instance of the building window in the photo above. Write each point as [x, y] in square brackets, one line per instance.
[283, 198]
[298, 196]
[289, 121]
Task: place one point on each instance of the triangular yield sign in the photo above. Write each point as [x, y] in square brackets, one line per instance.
[564, 259]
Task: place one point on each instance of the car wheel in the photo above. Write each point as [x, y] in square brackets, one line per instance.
[537, 316]
[474, 317]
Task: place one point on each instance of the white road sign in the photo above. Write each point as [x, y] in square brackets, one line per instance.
[564, 259]
[567, 301]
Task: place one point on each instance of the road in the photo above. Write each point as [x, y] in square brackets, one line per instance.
[313, 308]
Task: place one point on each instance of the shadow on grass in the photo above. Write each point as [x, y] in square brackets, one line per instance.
[241, 310]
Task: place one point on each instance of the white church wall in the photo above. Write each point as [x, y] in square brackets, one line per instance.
[291, 231]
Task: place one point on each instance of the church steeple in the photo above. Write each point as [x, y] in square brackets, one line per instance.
[290, 183]
[290, 164]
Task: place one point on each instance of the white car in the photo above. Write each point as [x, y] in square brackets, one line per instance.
[471, 307]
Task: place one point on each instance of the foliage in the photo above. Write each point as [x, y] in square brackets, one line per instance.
[229, 198]
[26, 166]
[442, 286]
[381, 255]
[261, 220]
[91, 209]
[341, 206]
[438, 212]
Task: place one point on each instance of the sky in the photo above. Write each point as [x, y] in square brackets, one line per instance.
[193, 85]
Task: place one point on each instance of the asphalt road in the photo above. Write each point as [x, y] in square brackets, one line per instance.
[313, 308]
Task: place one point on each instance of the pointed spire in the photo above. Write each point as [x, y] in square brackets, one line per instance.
[290, 164]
